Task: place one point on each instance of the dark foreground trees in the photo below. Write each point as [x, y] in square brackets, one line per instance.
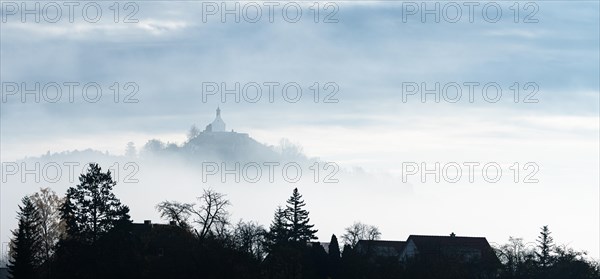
[91, 209]
[97, 231]
[176, 212]
[291, 254]
[48, 205]
[360, 231]
[298, 223]
[544, 260]
[95, 238]
[26, 245]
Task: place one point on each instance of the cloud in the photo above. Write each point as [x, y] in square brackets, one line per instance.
[160, 26]
[85, 31]
[519, 33]
[369, 53]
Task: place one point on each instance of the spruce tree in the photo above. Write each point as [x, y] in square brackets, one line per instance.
[26, 244]
[91, 209]
[298, 225]
[278, 233]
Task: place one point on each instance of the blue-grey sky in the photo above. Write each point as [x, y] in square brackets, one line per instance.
[369, 54]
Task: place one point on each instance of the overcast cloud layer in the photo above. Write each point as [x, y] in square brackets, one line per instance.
[369, 54]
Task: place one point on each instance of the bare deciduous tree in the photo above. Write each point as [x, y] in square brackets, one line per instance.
[51, 228]
[193, 132]
[515, 254]
[250, 237]
[359, 231]
[176, 212]
[211, 213]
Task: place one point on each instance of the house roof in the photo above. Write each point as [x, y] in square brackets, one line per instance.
[381, 247]
[429, 244]
[427, 241]
[398, 245]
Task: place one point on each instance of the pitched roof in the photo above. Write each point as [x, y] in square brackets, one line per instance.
[430, 241]
[438, 245]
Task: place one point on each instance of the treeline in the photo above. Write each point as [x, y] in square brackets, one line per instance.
[544, 259]
[89, 234]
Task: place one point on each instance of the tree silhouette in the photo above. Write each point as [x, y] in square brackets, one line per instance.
[249, 238]
[91, 209]
[193, 132]
[334, 257]
[517, 260]
[99, 235]
[176, 212]
[545, 246]
[26, 245]
[359, 231]
[298, 225]
[48, 205]
[278, 233]
[568, 263]
[211, 213]
[289, 253]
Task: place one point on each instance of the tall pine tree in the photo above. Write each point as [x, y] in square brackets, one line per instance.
[298, 225]
[26, 244]
[91, 209]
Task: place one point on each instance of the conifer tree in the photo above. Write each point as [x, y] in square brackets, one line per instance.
[334, 257]
[545, 246]
[278, 233]
[26, 244]
[91, 208]
[298, 225]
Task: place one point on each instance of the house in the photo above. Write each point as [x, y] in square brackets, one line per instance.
[464, 249]
[325, 245]
[420, 255]
[159, 240]
[459, 248]
[380, 248]
[450, 256]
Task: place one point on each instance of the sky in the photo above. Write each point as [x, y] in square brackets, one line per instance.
[371, 62]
